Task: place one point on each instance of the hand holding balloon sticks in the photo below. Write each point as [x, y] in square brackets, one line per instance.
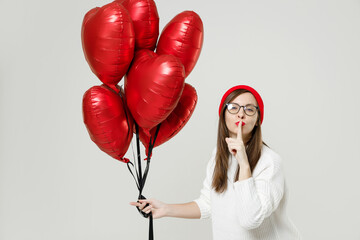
[118, 40]
[142, 178]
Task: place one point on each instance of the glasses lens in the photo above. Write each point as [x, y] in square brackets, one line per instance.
[250, 110]
[232, 108]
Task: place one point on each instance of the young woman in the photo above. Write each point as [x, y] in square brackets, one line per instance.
[244, 191]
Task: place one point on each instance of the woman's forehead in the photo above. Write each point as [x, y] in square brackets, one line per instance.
[245, 98]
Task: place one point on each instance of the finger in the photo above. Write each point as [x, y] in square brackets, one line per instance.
[145, 201]
[232, 150]
[141, 206]
[136, 204]
[235, 147]
[229, 140]
[239, 132]
[147, 209]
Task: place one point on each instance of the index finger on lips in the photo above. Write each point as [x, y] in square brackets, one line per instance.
[239, 132]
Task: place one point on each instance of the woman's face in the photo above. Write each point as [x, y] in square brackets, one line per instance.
[231, 120]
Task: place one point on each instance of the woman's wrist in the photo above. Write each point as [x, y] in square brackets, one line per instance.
[244, 164]
[167, 210]
[243, 161]
[244, 172]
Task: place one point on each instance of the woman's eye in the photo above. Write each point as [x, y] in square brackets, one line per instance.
[231, 107]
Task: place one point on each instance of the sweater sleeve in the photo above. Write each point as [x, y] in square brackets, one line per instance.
[258, 196]
[204, 201]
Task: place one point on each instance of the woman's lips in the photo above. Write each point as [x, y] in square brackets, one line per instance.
[237, 124]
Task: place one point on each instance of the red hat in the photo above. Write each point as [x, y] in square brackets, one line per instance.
[250, 89]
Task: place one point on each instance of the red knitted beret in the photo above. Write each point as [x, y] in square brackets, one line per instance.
[250, 89]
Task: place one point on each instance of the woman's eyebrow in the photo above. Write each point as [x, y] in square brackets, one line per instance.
[245, 104]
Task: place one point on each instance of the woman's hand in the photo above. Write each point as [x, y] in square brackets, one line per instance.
[237, 147]
[158, 208]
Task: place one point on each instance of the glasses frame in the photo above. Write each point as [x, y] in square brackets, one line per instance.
[240, 106]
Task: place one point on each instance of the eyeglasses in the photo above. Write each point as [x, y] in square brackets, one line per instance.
[234, 108]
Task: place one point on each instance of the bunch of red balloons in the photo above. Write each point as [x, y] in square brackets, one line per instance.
[120, 40]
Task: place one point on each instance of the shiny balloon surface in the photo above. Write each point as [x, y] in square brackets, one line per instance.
[183, 37]
[108, 41]
[119, 40]
[153, 87]
[107, 121]
[145, 17]
[175, 121]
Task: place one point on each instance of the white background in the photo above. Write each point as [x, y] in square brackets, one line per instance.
[302, 56]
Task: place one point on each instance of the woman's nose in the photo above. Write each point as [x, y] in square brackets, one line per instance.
[241, 113]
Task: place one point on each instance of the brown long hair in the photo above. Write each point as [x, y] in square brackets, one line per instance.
[253, 148]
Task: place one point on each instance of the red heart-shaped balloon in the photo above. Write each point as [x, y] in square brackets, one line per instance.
[107, 120]
[183, 38]
[145, 17]
[108, 41]
[175, 121]
[153, 87]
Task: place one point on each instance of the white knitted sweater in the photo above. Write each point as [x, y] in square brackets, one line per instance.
[250, 209]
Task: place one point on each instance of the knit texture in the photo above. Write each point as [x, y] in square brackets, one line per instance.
[250, 209]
